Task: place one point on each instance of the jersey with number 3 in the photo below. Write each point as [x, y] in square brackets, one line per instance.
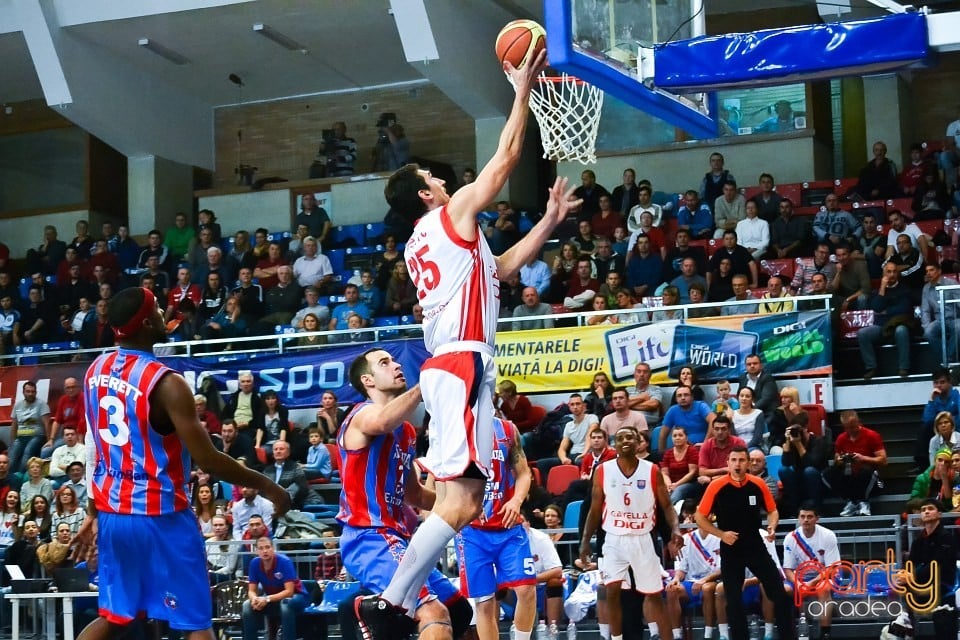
[456, 281]
[138, 470]
[629, 503]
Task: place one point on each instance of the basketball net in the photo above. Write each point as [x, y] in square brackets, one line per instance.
[568, 112]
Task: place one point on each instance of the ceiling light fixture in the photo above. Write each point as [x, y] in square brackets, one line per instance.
[167, 54]
[283, 40]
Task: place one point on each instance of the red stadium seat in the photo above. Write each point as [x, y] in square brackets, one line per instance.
[749, 192]
[842, 186]
[334, 455]
[713, 245]
[560, 478]
[901, 204]
[794, 191]
[818, 418]
[930, 227]
[784, 267]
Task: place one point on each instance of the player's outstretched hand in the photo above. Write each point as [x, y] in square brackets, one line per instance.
[280, 499]
[561, 200]
[524, 77]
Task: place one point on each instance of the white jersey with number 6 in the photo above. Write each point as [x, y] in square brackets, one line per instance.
[629, 504]
[456, 281]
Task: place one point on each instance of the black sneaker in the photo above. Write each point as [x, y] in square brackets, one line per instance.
[376, 618]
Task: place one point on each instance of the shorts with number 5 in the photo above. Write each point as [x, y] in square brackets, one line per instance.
[494, 559]
[457, 391]
[621, 553]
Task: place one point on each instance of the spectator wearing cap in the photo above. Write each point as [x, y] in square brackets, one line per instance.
[76, 480]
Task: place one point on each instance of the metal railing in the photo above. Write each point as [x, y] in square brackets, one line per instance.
[287, 342]
[948, 302]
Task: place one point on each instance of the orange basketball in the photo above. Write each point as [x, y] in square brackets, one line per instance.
[520, 41]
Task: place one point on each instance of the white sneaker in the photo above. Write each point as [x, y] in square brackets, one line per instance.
[864, 508]
[849, 510]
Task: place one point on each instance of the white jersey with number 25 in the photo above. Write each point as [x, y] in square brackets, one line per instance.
[456, 280]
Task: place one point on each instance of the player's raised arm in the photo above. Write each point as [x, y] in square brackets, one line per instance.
[560, 203]
[175, 397]
[468, 200]
[378, 419]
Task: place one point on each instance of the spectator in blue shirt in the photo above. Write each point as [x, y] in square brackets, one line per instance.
[283, 593]
[695, 217]
[353, 305]
[693, 415]
[318, 464]
[536, 273]
[370, 294]
[943, 398]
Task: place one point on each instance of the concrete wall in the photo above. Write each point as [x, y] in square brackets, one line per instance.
[25, 233]
[678, 169]
[357, 201]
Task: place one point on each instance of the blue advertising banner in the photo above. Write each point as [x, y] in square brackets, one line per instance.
[789, 342]
[300, 378]
[715, 354]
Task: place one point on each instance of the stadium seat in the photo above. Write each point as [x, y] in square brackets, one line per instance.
[842, 186]
[350, 235]
[338, 259]
[712, 246]
[571, 516]
[560, 478]
[930, 227]
[773, 466]
[794, 191]
[655, 438]
[818, 418]
[783, 267]
[334, 594]
[900, 204]
[373, 232]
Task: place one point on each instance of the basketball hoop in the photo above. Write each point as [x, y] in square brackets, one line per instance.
[568, 112]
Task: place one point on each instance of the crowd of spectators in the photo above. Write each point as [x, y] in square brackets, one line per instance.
[618, 256]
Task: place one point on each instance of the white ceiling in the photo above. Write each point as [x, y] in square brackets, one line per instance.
[352, 44]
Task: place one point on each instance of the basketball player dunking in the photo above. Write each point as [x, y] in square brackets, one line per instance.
[457, 279]
[143, 432]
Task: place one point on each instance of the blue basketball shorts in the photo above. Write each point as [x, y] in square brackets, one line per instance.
[492, 559]
[373, 555]
[168, 582]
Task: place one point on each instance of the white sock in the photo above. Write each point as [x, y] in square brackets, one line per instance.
[724, 630]
[768, 628]
[707, 633]
[522, 635]
[654, 629]
[419, 559]
[619, 637]
[677, 634]
[604, 629]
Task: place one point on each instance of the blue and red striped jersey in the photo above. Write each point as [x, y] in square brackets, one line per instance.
[137, 470]
[373, 478]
